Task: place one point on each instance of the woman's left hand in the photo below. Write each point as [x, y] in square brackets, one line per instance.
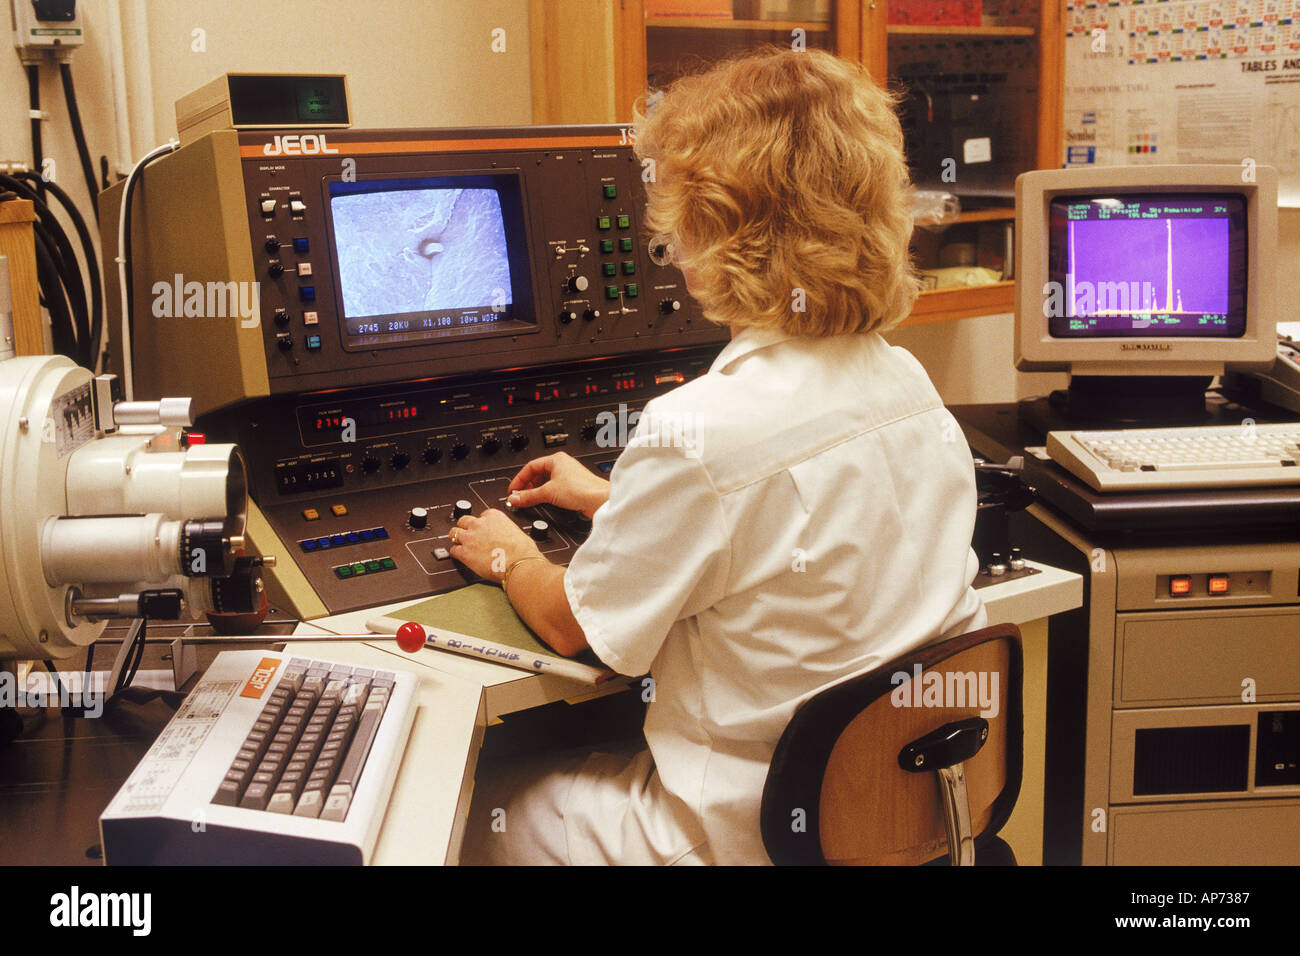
[489, 543]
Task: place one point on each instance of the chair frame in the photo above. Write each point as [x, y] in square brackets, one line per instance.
[798, 767]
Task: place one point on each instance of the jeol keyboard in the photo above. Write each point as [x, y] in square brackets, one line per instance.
[1142, 459]
[272, 758]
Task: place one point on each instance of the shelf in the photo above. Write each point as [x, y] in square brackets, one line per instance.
[717, 23]
[942, 305]
[910, 30]
[985, 215]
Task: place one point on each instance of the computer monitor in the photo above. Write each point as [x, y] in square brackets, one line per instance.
[1144, 282]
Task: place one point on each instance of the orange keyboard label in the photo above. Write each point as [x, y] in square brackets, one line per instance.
[261, 678]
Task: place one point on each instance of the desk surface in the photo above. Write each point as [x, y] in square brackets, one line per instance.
[56, 779]
[459, 696]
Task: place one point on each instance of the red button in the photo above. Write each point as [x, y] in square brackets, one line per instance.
[1180, 586]
[1219, 584]
[195, 438]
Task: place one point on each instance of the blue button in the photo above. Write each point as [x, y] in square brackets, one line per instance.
[367, 536]
[605, 467]
[322, 542]
[337, 540]
[307, 293]
[313, 343]
[380, 534]
[352, 537]
[308, 545]
[300, 244]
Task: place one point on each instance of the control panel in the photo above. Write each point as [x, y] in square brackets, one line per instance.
[362, 487]
[383, 254]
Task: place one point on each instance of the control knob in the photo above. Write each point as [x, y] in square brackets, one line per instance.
[276, 269]
[419, 517]
[576, 284]
[432, 455]
[669, 306]
[491, 446]
[461, 509]
[273, 245]
[400, 460]
[567, 316]
[370, 464]
[539, 530]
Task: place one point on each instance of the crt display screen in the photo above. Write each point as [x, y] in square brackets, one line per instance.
[1147, 265]
[428, 258]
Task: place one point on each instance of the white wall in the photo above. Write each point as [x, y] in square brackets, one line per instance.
[408, 62]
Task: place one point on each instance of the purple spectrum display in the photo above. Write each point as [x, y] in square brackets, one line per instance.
[1149, 267]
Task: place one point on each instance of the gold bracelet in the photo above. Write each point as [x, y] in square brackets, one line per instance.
[505, 578]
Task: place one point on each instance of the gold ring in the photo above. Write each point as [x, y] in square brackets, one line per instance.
[452, 534]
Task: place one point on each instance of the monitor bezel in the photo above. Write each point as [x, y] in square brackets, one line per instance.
[1038, 350]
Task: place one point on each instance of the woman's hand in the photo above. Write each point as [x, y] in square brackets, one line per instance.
[490, 543]
[559, 480]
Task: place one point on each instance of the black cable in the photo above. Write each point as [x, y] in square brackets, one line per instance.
[34, 103]
[104, 181]
[135, 654]
[92, 264]
[66, 273]
[79, 134]
[62, 329]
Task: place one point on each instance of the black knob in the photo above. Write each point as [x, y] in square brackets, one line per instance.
[575, 284]
[588, 432]
[669, 306]
[276, 269]
[370, 464]
[400, 460]
[459, 450]
[282, 318]
[285, 341]
[590, 315]
[419, 517]
[539, 530]
[566, 317]
[432, 455]
[461, 509]
[518, 442]
[273, 245]
[491, 446]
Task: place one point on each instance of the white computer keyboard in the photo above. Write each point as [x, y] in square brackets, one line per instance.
[272, 758]
[1140, 459]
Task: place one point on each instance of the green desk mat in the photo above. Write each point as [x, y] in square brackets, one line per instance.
[484, 612]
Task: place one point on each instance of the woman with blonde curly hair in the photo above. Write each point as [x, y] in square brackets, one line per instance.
[817, 521]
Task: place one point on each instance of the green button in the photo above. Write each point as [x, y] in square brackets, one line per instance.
[358, 568]
[602, 222]
[625, 222]
[607, 245]
[343, 571]
[611, 292]
[631, 290]
[373, 565]
[611, 191]
[625, 244]
[629, 268]
[608, 268]
[388, 563]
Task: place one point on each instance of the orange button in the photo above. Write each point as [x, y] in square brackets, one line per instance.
[310, 514]
[1180, 586]
[339, 510]
[1219, 584]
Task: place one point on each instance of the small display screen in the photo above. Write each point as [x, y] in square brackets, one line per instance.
[427, 258]
[1147, 265]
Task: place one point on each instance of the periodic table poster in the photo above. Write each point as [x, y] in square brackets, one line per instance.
[1184, 81]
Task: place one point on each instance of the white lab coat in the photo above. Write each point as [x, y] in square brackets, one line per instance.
[799, 515]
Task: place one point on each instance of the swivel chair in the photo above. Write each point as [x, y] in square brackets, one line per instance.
[898, 766]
